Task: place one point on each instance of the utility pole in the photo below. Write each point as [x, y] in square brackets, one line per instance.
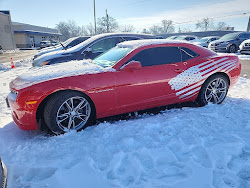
[94, 18]
[107, 18]
[248, 26]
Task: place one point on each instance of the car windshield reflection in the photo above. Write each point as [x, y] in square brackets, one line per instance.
[111, 57]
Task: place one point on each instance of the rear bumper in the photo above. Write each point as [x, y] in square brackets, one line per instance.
[23, 116]
[3, 177]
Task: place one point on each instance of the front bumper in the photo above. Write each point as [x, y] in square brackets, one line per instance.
[245, 50]
[23, 115]
[3, 177]
[219, 48]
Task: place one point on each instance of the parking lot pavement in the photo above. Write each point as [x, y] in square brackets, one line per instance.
[245, 68]
[17, 55]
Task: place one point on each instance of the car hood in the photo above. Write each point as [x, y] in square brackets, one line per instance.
[46, 73]
[51, 55]
[50, 49]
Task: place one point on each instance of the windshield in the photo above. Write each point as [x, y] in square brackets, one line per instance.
[229, 36]
[111, 57]
[203, 40]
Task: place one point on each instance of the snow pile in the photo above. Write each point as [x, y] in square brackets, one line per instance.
[20, 63]
[71, 68]
[140, 43]
[185, 147]
[244, 57]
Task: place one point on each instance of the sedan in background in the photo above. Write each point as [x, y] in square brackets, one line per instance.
[63, 45]
[206, 40]
[88, 49]
[244, 47]
[3, 174]
[135, 75]
[229, 42]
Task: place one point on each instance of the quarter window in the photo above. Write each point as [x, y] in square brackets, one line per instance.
[187, 54]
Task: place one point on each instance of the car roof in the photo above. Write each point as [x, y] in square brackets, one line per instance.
[140, 43]
[96, 37]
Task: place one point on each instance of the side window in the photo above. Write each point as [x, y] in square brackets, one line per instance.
[191, 38]
[241, 36]
[247, 36]
[187, 54]
[105, 44]
[158, 56]
[187, 38]
[212, 39]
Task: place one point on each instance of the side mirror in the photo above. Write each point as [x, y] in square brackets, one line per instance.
[87, 52]
[132, 65]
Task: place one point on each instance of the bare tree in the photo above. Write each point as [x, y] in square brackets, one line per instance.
[167, 26]
[69, 29]
[106, 24]
[221, 26]
[155, 29]
[127, 28]
[205, 24]
[184, 30]
[64, 29]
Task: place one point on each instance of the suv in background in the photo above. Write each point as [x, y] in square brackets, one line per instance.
[229, 42]
[244, 47]
[44, 44]
[89, 49]
[206, 40]
[71, 42]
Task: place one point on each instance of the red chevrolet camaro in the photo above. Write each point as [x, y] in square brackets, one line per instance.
[135, 75]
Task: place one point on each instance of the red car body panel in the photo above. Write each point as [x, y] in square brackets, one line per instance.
[125, 91]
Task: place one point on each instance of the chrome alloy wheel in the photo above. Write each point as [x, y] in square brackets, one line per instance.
[216, 91]
[73, 114]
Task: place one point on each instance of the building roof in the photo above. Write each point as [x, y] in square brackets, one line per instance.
[38, 33]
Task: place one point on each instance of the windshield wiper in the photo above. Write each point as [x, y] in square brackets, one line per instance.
[63, 46]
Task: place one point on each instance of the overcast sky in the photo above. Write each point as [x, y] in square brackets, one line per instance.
[139, 13]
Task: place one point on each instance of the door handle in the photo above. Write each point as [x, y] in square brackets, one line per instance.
[178, 70]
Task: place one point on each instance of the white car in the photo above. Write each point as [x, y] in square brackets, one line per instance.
[190, 38]
[71, 42]
[244, 47]
[206, 40]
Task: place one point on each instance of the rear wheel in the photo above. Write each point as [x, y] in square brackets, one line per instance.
[232, 49]
[67, 111]
[214, 90]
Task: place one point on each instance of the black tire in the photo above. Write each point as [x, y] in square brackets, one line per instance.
[60, 119]
[232, 49]
[208, 93]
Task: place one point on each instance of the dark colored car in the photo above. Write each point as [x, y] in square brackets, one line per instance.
[89, 49]
[3, 175]
[64, 45]
[229, 42]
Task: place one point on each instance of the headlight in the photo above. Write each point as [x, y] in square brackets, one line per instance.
[226, 42]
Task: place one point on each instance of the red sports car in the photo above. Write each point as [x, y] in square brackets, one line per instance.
[135, 75]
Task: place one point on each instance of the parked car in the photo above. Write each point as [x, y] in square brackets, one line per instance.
[135, 75]
[244, 47]
[3, 174]
[64, 45]
[189, 38]
[206, 40]
[89, 49]
[44, 44]
[229, 42]
[172, 37]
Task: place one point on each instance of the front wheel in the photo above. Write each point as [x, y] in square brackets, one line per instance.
[232, 49]
[214, 90]
[67, 111]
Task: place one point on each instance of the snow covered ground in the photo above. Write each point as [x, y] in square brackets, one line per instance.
[185, 147]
